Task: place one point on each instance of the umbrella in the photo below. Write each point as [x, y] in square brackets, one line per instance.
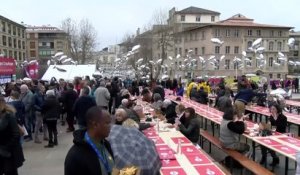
[131, 147]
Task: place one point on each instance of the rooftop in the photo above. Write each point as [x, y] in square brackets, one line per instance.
[196, 10]
[10, 21]
[43, 29]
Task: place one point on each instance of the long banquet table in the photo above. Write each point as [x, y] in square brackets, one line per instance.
[280, 143]
[191, 160]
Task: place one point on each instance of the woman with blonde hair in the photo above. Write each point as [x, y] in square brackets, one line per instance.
[11, 153]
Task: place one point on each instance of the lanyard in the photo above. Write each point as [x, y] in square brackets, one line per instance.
[103, 160]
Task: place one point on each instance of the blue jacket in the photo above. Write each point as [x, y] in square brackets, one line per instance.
[38, 101]
[246, 95]
[180, 91]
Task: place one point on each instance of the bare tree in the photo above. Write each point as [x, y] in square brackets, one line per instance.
[81, 39]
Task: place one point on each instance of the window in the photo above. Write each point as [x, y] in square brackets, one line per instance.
[258, 32]
[227, 32]
[227, 49]
[202, 35]
[203, 50]
[4, 40]
[271, 45]
[279, 33]
[271, 33]
[185, 37]
[32, 53]
[23, 55]
[227, 64]
[3, 26]
[196, 51]
[16, 55]
[31, 35]
[14, 30]
[19, 44]
[23, 45]
[217, 49]
[191, 36]
[236, 33]
[10, 53]
[196, 36]
[20, 56]
[175, 64]
[51, 45]
[32, 45]
[212, 18]
[279, 76]
[15, 42]
[249, 44]
[236, 49]
[198, 18]
[23, 36]
[182, 18]
[271, 62]
[9, 28]
[249, 32]
[217, 32]
[279, 46]
[19, 32]
[185, 52]
[9, 42]
[176, 51]
[271, 76]
[180, 51]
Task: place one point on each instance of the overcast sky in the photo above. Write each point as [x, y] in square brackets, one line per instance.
[113, 18]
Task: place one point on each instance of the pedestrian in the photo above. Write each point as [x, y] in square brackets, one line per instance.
[81, 106]
[102, 96]
[27, 99]
[91, 153]
[51, 112]
[11, 153]
[68, 98]
[38, 101]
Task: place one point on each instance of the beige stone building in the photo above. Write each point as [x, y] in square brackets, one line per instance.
[44, 41]
[238, 33]
[294, 54]
[12, 39]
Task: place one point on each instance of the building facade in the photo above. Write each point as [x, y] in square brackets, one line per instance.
[237, 33]
[44, 41]
[12, 39]
[294, 54]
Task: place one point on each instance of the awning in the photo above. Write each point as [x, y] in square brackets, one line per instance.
[7, 66]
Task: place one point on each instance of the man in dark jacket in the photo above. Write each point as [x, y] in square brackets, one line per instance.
[82, 105]
[68, 98]
[160, 90]
[202, 96]
[38, 100]
[82, 158]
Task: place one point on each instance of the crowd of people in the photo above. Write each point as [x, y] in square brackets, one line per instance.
[31, 108]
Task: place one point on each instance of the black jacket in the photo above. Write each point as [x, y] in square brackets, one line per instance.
[20, 111]
[202, 97]
[81, 106]
[51, 108]
[170, 113]
[68, 98]
[81, 158]
[11, 152]
[191, 129]
[160, 90]
[280, 123]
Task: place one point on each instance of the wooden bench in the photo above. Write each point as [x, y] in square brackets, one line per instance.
[247, 163]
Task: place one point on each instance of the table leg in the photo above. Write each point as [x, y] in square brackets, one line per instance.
[213, 128]
[298, 130]
[286, 165]
[205, 127]
[253, 150]
[255, 117]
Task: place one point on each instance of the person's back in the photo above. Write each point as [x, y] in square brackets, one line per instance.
[102, 96]
[227, 137]
[202, 96]
[81, 106]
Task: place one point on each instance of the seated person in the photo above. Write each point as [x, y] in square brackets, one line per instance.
[179, 109]
[138, 114]
[191, 127]
[168, 109]
[231, 127]
[146, 95]
[157, 104]
[180, 90]
[278, 120]
[202, 96]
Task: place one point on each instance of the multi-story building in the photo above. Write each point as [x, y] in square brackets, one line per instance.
[238, 33]
[12, 39]
[294, 54]
[44, 41]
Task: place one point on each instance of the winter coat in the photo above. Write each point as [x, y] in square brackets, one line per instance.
[81, 106]
[51, 108]
[11, 152]
[81, 158]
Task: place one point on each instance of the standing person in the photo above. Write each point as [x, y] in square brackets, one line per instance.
[27, 99]
[38, 101]
[296, 85]
[11, 153]
[115, 89]
[19, 107]
[82, 105]
[191, 127]
[68, 98]
[180, 90]
[51, 111]
[61, 90]
[91, 153]
[279, 121]
[232, 126]
[102, 96]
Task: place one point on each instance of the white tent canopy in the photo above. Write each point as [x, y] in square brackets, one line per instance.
[71, 71]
